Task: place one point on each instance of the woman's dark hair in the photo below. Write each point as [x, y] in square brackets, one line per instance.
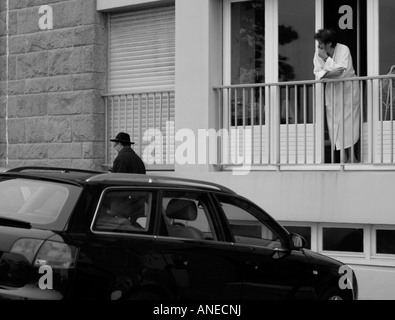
[326, 36]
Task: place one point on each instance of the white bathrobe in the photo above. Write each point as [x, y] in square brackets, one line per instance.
[334, 98]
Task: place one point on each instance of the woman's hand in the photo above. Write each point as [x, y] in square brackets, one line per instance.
[322, 54]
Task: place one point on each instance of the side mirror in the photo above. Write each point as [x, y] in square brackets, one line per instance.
[298, 241]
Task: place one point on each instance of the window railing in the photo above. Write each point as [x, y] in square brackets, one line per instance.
[148, 117]
[268, 125]
[288, 124]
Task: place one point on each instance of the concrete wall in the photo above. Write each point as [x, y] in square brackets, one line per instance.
[55, 78]
[330, 197]
[198, 69]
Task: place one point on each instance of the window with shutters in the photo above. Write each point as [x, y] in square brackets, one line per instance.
[141, 83]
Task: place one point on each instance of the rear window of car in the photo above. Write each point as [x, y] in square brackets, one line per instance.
[37, 202]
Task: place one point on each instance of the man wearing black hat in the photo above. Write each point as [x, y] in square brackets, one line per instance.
[127, 160]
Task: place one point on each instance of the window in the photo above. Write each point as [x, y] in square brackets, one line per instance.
[387, 27]
[305, 232]
[247, 58]
[385, 241]
[343, 239]
[248, 224]
[296, 52]
[186, 215]
[346, 240]
[36, 202]
[142, 80]
[296, 39]
[248, 42]
[124, 211]
[387, 60]
[142, 49]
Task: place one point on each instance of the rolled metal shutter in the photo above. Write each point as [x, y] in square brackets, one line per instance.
[142, 78]
[142, 49]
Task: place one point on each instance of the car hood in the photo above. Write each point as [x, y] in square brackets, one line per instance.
[8, 236]
[322, 258]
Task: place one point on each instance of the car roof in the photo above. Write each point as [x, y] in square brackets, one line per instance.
[82, 177]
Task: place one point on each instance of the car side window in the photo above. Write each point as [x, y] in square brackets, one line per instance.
[186, 215]
[245, 226]
[123, 211]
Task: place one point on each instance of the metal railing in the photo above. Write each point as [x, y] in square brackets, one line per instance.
[148, 116]
[272, 124]
[287, 123]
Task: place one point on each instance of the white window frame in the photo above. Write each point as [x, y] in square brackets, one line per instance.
[368, 258]
[366, 241]
[373, 237]
[272, 70]
[313, 228]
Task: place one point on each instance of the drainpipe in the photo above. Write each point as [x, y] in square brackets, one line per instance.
[7, 70]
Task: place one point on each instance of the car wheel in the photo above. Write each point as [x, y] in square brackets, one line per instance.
[336, 294]
[143, 295]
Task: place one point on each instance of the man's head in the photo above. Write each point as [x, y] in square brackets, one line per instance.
[121, 140]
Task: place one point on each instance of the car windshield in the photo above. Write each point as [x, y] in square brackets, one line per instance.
[34, 201]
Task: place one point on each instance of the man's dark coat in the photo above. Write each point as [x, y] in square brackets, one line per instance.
[128, 161]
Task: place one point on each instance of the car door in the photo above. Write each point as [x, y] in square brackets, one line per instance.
[271, 270]
[119, 256]
[201, 265]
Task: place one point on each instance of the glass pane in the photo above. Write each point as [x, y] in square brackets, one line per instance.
[385, 241]
[248, 42]
[387, 58]
[186, 215]
[124, 211]
[34, 201]
[296, 52]
[245, 226]
[296, 39]
[305, 232]
[387, 41]
[343, 239]
[248, 62]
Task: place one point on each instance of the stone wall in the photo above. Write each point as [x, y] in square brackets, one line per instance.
[3, 51]
[53, 113]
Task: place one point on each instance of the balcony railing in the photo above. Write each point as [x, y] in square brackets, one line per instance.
[285, 124]
[266, 126]
[148, 116]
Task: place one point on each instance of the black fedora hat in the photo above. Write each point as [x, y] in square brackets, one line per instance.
[123, 138]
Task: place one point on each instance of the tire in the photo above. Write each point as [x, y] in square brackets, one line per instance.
[336, 294]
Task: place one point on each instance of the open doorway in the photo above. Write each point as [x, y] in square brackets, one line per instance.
[349, 19]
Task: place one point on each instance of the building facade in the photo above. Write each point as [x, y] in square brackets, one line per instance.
[218, 90]
[53, 73]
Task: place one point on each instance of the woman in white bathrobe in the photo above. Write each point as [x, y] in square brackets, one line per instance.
[333, 60]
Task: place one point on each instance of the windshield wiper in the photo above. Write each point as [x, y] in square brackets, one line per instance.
[7, 222]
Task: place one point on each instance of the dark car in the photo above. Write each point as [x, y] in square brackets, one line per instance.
[76, 234]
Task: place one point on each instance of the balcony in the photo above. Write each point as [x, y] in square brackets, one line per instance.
[272, 126]
[283, 126]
